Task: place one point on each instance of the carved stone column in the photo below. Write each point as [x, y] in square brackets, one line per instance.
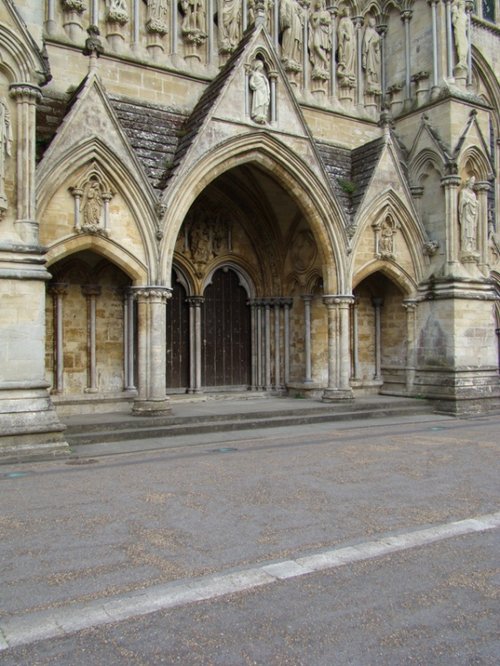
[338, 348]
[482, 189]
[91, 291]
[58, 291]
[286, 334]
[72, 18]
[26, 97]
[377, 307]
[382, 31]
[451, 184]
[411, 339]
[195, 303]
[277, 346]
[307, 298]
[406, 17]
[355, 342]
[267, 342]
[128, 341]
[435, 46]
[151, 304]
[358, 22]
[449, 41]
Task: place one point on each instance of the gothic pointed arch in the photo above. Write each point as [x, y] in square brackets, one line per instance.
[115, 253]
[88, 159]
[312, 196]
[406, 252]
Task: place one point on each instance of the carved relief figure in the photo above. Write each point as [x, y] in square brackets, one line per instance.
[194, 22]
[386, 240]
[259, 85]
[92, 205]
[320, 43]
[468, 209]
[459, 20]
[229, 25]
[371, 57]
[346, 35]
[200, 242]
[157, 16]
[268, 7]
[5, 149]
[291, 25]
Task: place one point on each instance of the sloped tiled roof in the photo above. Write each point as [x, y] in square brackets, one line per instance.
[337, 163]
[153, 132]
[364, 160]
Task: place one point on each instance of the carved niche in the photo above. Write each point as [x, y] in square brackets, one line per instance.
[385, 237]
[92, 195]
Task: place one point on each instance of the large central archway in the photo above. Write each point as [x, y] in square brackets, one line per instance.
[247, 284]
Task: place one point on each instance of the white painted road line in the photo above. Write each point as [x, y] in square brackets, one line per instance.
[22, 630]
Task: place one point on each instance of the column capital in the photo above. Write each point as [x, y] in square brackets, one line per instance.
[25, 92]
[91, 289]
[152, 293]
[377, 302]
[307, 298]
[337, 299]
[58, 288]
[482, 186]
[195, 300]
[410, 305]
[406, 15]
[451, 181]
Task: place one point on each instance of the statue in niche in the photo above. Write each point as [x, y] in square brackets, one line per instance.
[157, 16]
[5, 149]
[259, 85]
[268, 8]
[117, 11]
[468, 209]
[346, 68]
[229, 25]
[459, 21]
[371, 57]
[320, 41]
[291, 25]
[386, 240]
[194, 20]
[92, 203]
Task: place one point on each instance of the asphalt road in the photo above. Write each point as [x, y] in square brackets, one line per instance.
[115, 529]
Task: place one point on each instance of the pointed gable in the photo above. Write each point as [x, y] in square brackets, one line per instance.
[223, 111]
[90, 118]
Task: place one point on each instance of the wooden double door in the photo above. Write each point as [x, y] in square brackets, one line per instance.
[224, 335]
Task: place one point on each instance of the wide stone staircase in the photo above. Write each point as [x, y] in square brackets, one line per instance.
[234, 412]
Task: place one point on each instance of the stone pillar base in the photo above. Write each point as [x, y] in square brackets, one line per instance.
[335, 395]
[29, 426]
[460, 393]
[151, 407]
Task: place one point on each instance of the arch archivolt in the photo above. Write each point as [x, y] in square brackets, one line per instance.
[105, 247]
[244, 276]
[310, 194]
[18, 62]
[392, 235]
[94, 157]
[473, 162]
[391, 270]
[422, 163]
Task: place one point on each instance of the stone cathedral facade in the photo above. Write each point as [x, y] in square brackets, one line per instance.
[286, 196]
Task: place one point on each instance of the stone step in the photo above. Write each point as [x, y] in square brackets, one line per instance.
[143, 428]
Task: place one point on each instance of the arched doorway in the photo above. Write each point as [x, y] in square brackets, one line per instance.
[378, 336]
[226, 335]
[91, 324]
